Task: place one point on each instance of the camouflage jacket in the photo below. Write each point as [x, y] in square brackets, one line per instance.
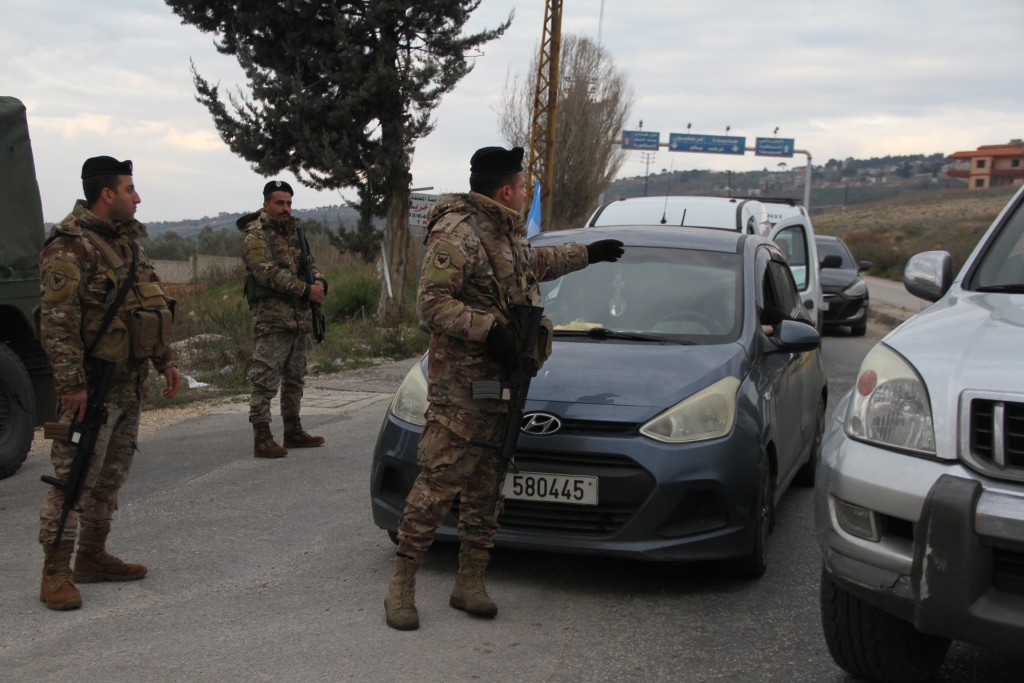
[460, 297]
[83, 265]
[272, 254]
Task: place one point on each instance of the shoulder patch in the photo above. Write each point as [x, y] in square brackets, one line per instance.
[442, 259]
[60, 281]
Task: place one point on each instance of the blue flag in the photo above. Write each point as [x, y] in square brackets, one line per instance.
[533, 217]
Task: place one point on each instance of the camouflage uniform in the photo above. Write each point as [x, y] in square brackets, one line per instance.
[280, 310]
[83, 265]
[459, 299]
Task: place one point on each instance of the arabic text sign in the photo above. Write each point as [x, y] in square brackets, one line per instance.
[419, 206]
[774, 147]
[641, 139]
[709, 144]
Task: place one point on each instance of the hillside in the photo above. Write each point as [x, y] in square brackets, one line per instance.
[328, 215]
[888, 232]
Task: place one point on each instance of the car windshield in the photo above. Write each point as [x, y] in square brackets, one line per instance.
[683, 295]
[1002, 265]
[835, 248]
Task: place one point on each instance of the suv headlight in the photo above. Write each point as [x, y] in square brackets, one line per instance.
[858, 288]
[410, 402]
[890, 405]
[708, 414]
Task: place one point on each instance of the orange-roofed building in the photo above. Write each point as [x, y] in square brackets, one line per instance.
[990, 165]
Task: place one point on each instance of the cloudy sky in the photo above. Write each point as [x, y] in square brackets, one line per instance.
[843, 79]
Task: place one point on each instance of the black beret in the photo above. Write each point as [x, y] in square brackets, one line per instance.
[104, 166]
[496, 161]
[277, 186]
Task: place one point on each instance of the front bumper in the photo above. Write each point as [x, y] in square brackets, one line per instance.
[949, 557]
[656, 502]
[843, 310]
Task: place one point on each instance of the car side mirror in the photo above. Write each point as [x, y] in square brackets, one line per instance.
[864, 265]
[832, 261]
[928, 275]
[794, 336]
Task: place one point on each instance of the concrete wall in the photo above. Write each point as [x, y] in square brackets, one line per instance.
[184, 272]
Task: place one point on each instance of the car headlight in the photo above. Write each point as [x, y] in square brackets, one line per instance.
[410, 401]
[708, 414]
[890, 405]
[858, 288]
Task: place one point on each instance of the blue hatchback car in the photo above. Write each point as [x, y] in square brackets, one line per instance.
[671, 416]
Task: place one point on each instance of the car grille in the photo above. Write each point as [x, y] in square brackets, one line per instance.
[624, 487]
[993, 434]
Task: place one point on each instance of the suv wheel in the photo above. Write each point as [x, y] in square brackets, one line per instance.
[874, 645]
[17, 412]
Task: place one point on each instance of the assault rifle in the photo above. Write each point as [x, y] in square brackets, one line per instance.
[514, 391]
[82, 434]
[319, 324]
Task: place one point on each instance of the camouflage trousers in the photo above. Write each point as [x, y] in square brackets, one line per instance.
[279, 360]
[108, 469]
[450, 466]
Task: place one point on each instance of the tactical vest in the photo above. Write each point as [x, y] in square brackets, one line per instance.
[141, 329]
[252, 290]
[514, 285]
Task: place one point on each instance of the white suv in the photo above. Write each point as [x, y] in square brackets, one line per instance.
[920, 488]
[791, 229]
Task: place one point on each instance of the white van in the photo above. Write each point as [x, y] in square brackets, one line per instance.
[726, 213]
[784, 221]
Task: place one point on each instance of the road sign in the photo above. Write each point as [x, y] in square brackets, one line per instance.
[709, 144]
[774, 147]
[641, 139]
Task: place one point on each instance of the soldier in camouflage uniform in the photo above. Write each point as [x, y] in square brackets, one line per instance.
[85, 262]
[279, 299]
[475, 265]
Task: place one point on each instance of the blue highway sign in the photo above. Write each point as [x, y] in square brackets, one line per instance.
[774, 147]
[710, 144]
[641, 139]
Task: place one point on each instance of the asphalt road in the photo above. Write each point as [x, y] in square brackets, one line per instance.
[274, 571]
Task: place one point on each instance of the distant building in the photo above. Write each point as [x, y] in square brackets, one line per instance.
[990, 165]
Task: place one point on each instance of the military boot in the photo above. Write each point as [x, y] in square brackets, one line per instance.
[295, 437]
[93, 563]
[400, 602]
[469, 593]
[58, 589]
[264, 445]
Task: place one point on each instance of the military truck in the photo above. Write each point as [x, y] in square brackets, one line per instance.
[27, 395]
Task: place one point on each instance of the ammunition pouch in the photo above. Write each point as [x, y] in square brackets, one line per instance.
[149, 325]
[253, 291]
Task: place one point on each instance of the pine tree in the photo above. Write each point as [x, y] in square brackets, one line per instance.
[339, 94]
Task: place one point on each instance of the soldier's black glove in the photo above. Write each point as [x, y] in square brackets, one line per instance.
[501, 346]
[604, 250]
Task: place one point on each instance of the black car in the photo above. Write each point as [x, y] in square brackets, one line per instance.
[844, 293]
[667, 423]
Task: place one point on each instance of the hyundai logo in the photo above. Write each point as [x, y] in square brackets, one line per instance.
[541, 424]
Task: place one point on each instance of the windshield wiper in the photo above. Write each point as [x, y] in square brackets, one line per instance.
[1010, 288]
[605, 333]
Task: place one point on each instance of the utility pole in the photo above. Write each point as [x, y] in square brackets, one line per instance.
[541, 165]
[648, 159]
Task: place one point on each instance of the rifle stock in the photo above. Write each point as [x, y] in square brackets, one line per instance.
[83, 434]
[515, 391]
[319, 324]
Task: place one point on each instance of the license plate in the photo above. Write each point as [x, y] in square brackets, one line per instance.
[551, 488]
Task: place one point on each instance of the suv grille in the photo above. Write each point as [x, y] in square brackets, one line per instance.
[993, 436]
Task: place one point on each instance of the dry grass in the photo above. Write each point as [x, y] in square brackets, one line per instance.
[889, 232]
